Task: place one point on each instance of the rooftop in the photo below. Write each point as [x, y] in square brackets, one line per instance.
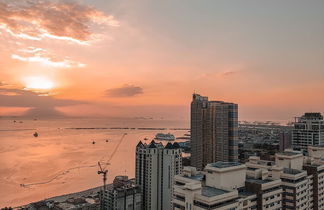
[312, 116]
[290, 153]
[251, 169]
[211, 191]
[259, 181]
[291, 171]
[198, 177]
[154, 144]
[42, 205]
[224, 164]
[244, 193]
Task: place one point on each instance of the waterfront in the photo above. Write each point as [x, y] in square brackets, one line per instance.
[57, 161]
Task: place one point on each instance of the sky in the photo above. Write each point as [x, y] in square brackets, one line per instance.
[145, 58]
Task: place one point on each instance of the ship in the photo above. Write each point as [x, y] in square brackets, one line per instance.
[35, 134]
[167, 137]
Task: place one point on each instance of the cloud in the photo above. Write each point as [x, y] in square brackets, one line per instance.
[125, 91]
[52, 19]
[38, 55]
[230, 73]
[38, 104]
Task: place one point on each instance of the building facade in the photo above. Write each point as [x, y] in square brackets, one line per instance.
[156, 166]
[220, 185]
[308, 131]
[285, 141]
[214, 131]
[302, 177]
[124, 194]
[292, 181]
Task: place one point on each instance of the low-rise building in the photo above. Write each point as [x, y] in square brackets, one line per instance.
[219, 186]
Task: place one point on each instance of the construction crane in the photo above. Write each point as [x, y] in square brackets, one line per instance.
[104, 174]
[104, 171]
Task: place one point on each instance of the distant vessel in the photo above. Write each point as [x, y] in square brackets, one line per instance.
[162, 136]
[35, 134]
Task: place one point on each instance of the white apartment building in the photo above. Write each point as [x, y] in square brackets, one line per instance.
[295, 181]
[314, 165]
[156, 166]
[292, 181]
[302, 177]
[308, 131]
[219, 186]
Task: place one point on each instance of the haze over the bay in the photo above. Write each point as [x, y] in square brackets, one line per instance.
[145, 58]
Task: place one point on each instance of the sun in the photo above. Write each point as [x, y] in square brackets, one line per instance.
[38, 83]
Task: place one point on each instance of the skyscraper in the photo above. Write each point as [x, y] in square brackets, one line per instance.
[308, 131]
[156, 166]
[214, 131]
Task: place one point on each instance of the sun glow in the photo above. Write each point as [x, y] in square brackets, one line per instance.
[38, 83]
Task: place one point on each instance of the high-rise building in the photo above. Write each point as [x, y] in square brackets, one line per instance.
[123, 194]
[285, 141]
[214, 131]
[308, 130]
[156, 166]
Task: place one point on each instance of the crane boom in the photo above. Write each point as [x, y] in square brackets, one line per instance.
[104, 172]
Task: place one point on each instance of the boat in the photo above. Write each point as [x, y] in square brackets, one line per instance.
[167, 137]
[35, 134]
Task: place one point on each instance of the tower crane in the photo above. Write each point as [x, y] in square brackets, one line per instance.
[104, 174]
[104, 171]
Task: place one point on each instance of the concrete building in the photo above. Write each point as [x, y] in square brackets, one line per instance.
[285, 141]
[292, 181]
[268, 192]
[297, 183]
[219, 186]
[156, 166]
[124, 194]
[214, 131]
[308, 130]
[314, 165]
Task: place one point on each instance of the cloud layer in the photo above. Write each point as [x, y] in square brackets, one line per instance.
[30, 27]
[39, 55]
[125, 91]
[62, 20]
[40, 105]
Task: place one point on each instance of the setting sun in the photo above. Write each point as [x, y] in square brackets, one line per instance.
[38, 83]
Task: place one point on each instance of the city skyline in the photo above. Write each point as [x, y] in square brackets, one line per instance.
[126, 59]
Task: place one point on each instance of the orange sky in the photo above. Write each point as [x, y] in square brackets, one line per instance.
[119, 58]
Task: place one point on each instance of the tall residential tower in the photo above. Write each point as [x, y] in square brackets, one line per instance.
[156, 166]
[214, 131]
